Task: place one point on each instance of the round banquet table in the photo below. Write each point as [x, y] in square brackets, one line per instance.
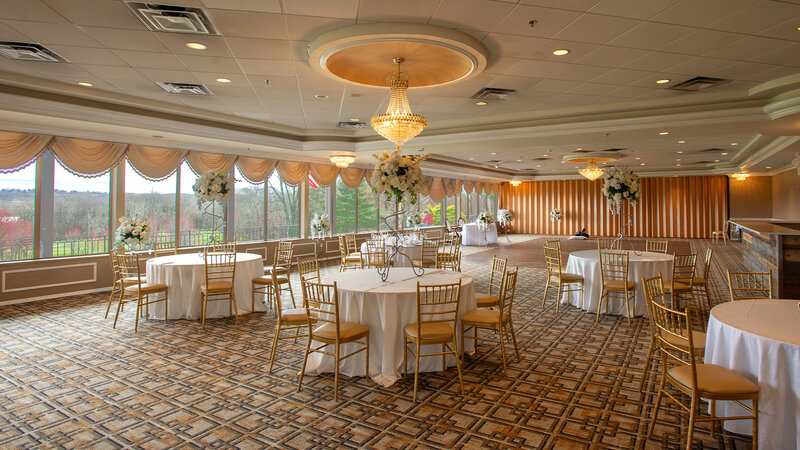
[413, 252]
[587, 264]
[387, 307]
[183, 274]
[475, 234]
[760, 339]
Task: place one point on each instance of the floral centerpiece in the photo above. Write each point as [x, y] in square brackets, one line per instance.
[413, 220]
[320, 225]
[556, 214]
[132, 232]
[398, 176]
[212, 187]
[484, 219]
[619, 185]
[504, 216]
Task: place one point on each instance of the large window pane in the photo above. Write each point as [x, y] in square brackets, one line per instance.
[491, 204]
[283, 220]
[17, 203]
[367, 208]
[249, 209]
[81, 208]
[429, 210]
[154, 201]
[318, 197]
[450, 207]
[197, 222]
[344, 204]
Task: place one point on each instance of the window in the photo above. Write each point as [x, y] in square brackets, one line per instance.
[491, 203]
[283, 209]
[17, 204]
[469, 206]
[386, 209]
[80, 216]
[154, 201]
[367, 207]
[430, 211]
[344, 206]
[450, 208]
[249, 207]
[318, 197]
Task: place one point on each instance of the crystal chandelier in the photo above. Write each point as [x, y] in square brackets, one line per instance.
[740, 176]
[342, 160]
[591, 171]
[399, 125]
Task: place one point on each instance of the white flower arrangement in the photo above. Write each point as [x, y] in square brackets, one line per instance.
[619, 185]
[556, 214]
[320, 224]
[413, 220]
[484, 218]
[398, 176]
[212, 187]
[504, 216]
[132, 232]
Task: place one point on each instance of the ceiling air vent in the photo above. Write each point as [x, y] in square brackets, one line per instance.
[711, 150]
[698, 84]
[174, 19]
[612, 150]
[541, 159]
[28, 52]
[351, 125]
[184, 88]
[494, 94]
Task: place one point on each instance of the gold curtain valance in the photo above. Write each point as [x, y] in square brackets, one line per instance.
[87, 158]
[352, 176]
[324, 174]
[437, 190]
[202, 162]
[154, 163]
[291, 172]
[18, 150]
[255, 170]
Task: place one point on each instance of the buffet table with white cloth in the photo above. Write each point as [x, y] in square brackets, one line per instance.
[387, 307]
[411, 247]
[587, 264]
[477, 234]
[760, 339]
[183, 274]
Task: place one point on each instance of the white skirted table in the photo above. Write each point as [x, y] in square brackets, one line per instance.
[587, 264]
[183, 274]
[387, 307]
[476, 234]
[760, 339]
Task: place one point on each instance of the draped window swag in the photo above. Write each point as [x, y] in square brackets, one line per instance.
[88, 158]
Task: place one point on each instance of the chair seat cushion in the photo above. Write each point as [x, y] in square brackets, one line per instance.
[677, 286]
[698, 281]
[347, 330]
[482, 316]
[263, 279]
[619, 285]
[147, 287]
[714, 379]
[276, 269]
[429, 330]
[353, 258]
[296, 315]
[424, 262]
[217, 286]
[484, 300]
[567, 277]
[282, 279]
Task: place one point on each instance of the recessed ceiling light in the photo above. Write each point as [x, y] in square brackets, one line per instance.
[494, 153]
[519, 160]
[641, 164]
[320, 96]
[224, 80]
[354, 119]
[196, 46]
[538, 165]
[724, 153]
[563, 162]
[546, 155]
[561, 52]
[734, 143]
[663, 81]
[677, 159]
[472, 158]
[769, 167]
[480, 103]
[679, 164]
[716, 160]
[663, 133]
[579, 148]
[680, 151]
[638, 158]
[84, 83]
[681, 142]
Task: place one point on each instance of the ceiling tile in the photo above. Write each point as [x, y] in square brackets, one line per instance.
[260, 48]
[701, 42]
[102, 14]
[29, 10]
[651, 36]
[787, 30]
[592, 89]
[511, 45]
[482, 15]
[748, 48]
[210, 64]
[609, 56]
[8, 65]
[786, 55]
[699, 66]
[267, 67]
[126, 39]
[656, 61]
[248, 24]
[394, 11]
[278, 94]
[307, 28]
[56, 70]
[577, 50]
[345, 9]
[9, 34]
[499, 65]
[150, 60]
[554, 85]
[176, 43]
[580, 72]
[275, 82]
[169, 76]
[530, 68]
[574, 5]
[513, 82]
[759, 17]
[699, 14]
[623, 77]
[549, 21]
[53, 33]
[226, 90]
[270, 6]
[596, 29]
[639, 9]
[114, 73]
[88, 55]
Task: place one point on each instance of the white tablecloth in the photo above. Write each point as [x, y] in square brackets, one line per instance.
[413, 252]
[387, 307]
[587, 264]
[474, 234]
[760, 339]
[183, 274]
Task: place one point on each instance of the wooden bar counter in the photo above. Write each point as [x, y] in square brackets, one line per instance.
[773, 246]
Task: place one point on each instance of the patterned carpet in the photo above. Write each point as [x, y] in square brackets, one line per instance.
[68, 380]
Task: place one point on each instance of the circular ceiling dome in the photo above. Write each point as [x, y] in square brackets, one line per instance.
[365, 54]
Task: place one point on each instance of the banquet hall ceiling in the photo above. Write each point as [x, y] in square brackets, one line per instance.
[600, 97]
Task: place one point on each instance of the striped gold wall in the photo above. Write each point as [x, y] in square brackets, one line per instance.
[689, 207]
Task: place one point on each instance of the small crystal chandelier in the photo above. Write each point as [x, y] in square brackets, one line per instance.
[591, 171]
[740, 176]
[342, 160]
[399, 125]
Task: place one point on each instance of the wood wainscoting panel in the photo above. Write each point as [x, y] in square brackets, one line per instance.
[670, 207]
[28, 279]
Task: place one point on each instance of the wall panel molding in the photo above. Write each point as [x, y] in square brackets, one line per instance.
[670, 207]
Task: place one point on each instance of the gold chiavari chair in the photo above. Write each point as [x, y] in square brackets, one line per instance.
[220, 270]
[487, 300]
[614, 275]
[608, 244]
[657, 246]
[680, 286]
[679, 369]
[377, 255]
[308, 268]
[223, 247]
[564, 281]
[139, 291]
[437, 315]
[347, 261]
[449, 256]
[165, 248]
[322, 304]
[429, 256]
[750, 285]
[282, 266]
[296, 319]
[654, 292]
[119, 281]
[498, 320]
[352, 245]
[702, 282]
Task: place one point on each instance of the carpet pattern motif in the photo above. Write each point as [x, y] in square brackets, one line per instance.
[69, 380]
